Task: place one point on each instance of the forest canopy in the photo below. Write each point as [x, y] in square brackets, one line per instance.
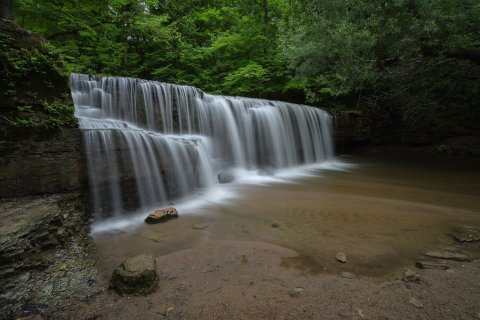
[412, 64]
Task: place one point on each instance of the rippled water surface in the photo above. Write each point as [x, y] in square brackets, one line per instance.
[382, 212]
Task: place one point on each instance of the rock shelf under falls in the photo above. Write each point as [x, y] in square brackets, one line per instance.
[149, 142]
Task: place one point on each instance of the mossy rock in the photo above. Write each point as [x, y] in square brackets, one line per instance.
[136, 275]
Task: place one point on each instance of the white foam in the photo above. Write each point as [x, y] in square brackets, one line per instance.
[220, 194]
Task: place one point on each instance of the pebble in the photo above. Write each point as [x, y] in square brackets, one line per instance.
[348, 275]
[415, 302]
[296, 292]
[341, 257]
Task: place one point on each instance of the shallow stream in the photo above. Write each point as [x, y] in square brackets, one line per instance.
[383, 212]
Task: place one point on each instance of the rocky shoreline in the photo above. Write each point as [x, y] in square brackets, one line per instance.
[45, 256]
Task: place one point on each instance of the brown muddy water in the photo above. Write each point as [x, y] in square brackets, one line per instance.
[382, 212]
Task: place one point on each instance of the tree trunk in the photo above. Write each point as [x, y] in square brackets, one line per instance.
[6, 9]
[266, 20]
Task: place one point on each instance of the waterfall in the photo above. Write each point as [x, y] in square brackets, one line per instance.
[148, 143]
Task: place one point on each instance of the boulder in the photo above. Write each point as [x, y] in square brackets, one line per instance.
[136, 275]
[226, 176]
[162, 215]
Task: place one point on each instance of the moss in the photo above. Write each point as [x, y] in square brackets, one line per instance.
[34, 79]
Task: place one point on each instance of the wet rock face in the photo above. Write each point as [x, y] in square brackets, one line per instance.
[35, 166]
[44, 255]
[136, 275]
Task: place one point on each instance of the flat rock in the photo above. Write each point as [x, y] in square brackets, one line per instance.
[296, 292]
[466, 234]
[415, 302]
[136, 275]
[151, 235]
[431, 265]
[341, 257]
[448, 255]
[348, 275]
[200, 226]
[162, 215]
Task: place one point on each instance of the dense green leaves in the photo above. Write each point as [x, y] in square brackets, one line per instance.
[413, 65]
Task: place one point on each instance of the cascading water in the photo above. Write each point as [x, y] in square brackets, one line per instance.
[148, 143]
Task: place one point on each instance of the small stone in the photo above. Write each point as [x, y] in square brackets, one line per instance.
[275, 225]
[431, 265]
[136, 275]
[348, 275]
[162, 215]
[410, 276]
[296, 292]
[200, 226]
[415, 302]
[341, 257]
[447, 255]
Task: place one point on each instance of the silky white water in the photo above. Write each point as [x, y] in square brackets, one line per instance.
[149, 143]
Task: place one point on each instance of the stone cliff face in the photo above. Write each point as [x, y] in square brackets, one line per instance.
[40, 145]
[43, 166]
[45, 263]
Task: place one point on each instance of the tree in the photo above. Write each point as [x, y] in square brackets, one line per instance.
[6, 9]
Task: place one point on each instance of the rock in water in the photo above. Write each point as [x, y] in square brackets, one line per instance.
[296, 292]
[341, 257]
[348, 275]
[447, 255]
[225, 176]
[162, 215]
[466, 234]
[431, 265]
[136, 275]
[200, 226]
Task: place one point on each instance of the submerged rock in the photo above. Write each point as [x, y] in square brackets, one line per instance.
[200, 226]
[431, 265]
[226, 176]
[348, 275]
[162, 215]
[266, 171]
[136, 275]
[447, 255]
[466, 234]
[341, 257]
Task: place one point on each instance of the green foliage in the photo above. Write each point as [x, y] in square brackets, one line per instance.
[411, 64]
[247, 80]
[60, 115]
